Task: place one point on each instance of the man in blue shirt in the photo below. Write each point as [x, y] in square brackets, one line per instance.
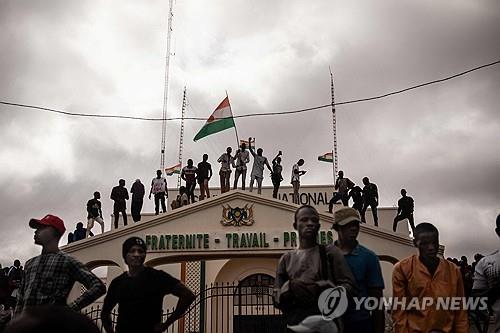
[365, 267]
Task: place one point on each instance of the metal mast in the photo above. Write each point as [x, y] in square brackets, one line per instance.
[165, 90]
[334, 123]
[181, 137]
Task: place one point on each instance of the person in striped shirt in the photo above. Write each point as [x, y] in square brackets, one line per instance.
[188, 174]
[49, 277]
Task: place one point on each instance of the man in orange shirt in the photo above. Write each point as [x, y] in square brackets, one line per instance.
[426, 289]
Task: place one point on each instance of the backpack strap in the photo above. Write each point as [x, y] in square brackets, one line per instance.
[324, 262]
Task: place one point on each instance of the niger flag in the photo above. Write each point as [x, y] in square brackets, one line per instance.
[221, 119]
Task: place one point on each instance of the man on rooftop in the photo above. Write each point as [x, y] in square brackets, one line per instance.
[159, 190]
[226, 160]
[241, 159]
[258, 167]
[94, 213]
[342, 185]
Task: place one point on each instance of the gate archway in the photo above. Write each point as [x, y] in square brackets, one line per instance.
[254, 309]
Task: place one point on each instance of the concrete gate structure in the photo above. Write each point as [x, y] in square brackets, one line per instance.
[227, 238]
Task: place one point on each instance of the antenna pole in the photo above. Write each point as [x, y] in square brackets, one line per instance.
[165, 89]
[334, 127]
[181, 137]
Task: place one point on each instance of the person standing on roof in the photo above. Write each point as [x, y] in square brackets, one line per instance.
[258, 167]
[370, 199]
[204, 174]
[296, 173]
[226, 160]
[188, 174]
[240, 161]
[405, 211]
[159, 190]
[357, 197]
[276, 176]
[138, 191]
[94, 213]
[119, 195]
[342, 185]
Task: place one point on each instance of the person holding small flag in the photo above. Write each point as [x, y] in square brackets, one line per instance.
[276, 176]
[296, 173]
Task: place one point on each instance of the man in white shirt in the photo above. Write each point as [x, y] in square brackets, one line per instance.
[487, 279]
[159, 189]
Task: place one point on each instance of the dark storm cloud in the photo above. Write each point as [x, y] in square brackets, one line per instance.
[439, 142]
[31, 39]
[100, 167]
[47, 194]
[465, 228]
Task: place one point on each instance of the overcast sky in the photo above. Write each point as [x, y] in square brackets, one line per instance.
[440, 142]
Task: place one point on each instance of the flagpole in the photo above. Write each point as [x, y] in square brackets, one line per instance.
[235, 129]
[334, 126]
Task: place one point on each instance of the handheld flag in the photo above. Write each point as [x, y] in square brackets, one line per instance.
[328, 157]
[175, 169]
[221, 119]
[246, 142]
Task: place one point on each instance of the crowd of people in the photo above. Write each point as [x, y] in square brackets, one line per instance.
[345, 189]
[467, 270]
[419, 282]
[302, 277]
[302, 274]
[33, 295]
[368, 197]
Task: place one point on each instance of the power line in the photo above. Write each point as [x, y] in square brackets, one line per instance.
[89, 115]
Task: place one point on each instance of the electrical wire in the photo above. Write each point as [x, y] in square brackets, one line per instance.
[89, 115]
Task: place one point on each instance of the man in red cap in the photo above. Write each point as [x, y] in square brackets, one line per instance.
[49, 277]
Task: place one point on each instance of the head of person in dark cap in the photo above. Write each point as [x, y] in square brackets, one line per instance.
[346, 223]
[134, 253]
[48, 232]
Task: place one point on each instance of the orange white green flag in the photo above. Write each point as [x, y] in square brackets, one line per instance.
[174, 169]
[221, 119]
[328, 157]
